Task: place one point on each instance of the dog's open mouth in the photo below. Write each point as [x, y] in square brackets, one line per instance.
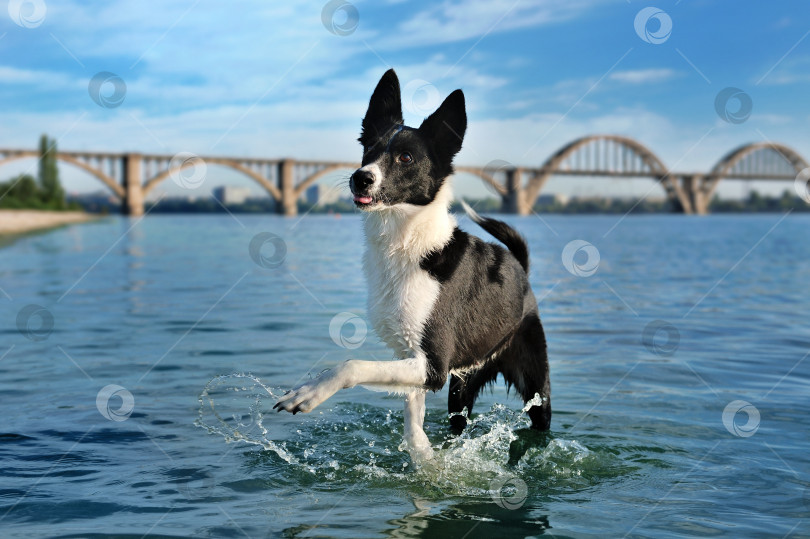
[363, 200]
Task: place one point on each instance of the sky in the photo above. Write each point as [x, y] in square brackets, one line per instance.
[273, 79]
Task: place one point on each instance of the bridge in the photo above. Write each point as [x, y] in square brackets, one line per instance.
[133, 176]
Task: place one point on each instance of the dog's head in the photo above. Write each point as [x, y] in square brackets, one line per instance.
[403, 165]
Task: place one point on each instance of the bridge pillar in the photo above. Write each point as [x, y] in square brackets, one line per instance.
[286, 184]
[132, 203]
[698, 197]
[514, 201]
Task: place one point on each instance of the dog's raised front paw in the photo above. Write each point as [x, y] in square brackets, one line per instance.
[307, 396]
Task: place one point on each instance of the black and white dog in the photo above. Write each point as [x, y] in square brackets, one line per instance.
[446, 302]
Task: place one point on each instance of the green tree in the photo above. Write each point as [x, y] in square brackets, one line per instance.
[19, 193]
[51, 189]
[786, 202]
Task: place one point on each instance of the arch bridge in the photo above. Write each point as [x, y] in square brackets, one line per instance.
[132, 176]
[614, 156]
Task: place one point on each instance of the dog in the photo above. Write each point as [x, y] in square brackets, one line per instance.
[445, 301]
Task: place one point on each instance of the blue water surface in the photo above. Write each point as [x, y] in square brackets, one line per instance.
[135, 394]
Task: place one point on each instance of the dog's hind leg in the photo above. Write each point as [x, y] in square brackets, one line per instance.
[525, 366]
[416, 441]
[463, 392]
[459, 399]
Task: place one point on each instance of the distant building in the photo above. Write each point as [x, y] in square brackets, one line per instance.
[322, 194]
[557, 198]
[229, 194]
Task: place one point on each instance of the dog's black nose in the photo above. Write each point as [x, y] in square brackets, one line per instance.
[361, 179]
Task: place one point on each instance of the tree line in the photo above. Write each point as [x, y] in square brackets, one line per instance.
[44, 192]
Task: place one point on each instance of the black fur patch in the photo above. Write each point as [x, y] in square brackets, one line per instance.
[480, 303]
[384, 109]
[494, 269]
[508, 236]
[442, 264]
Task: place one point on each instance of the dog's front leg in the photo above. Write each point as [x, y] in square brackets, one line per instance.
[305, 397]
[416, 441]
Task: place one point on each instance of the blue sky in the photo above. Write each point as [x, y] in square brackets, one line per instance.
[269, 79]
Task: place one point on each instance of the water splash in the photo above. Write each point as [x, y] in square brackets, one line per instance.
[363, 443]
[232, 406]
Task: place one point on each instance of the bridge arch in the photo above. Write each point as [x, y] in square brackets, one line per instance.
[625, 155]
[230, 163]
[757, 159]
[104, 178]
[486, 177]
[302, 186]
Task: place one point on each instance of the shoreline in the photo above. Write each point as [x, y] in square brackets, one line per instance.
[18, 222]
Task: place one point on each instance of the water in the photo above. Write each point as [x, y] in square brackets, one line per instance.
[163, 308]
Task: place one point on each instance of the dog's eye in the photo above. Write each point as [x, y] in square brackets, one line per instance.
[405, 158]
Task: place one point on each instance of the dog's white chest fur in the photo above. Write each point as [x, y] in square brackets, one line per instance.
[401, 298]
[401, 295]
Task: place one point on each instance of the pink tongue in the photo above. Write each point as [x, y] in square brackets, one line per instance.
[364, 200]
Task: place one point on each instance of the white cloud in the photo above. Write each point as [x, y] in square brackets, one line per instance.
[454, 20]
[13, 75]
[793, 69]
[644, 76]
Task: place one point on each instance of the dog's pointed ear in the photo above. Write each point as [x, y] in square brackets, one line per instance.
[447, 125]
[384, 108]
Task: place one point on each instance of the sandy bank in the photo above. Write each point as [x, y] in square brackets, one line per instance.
[21, 221]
